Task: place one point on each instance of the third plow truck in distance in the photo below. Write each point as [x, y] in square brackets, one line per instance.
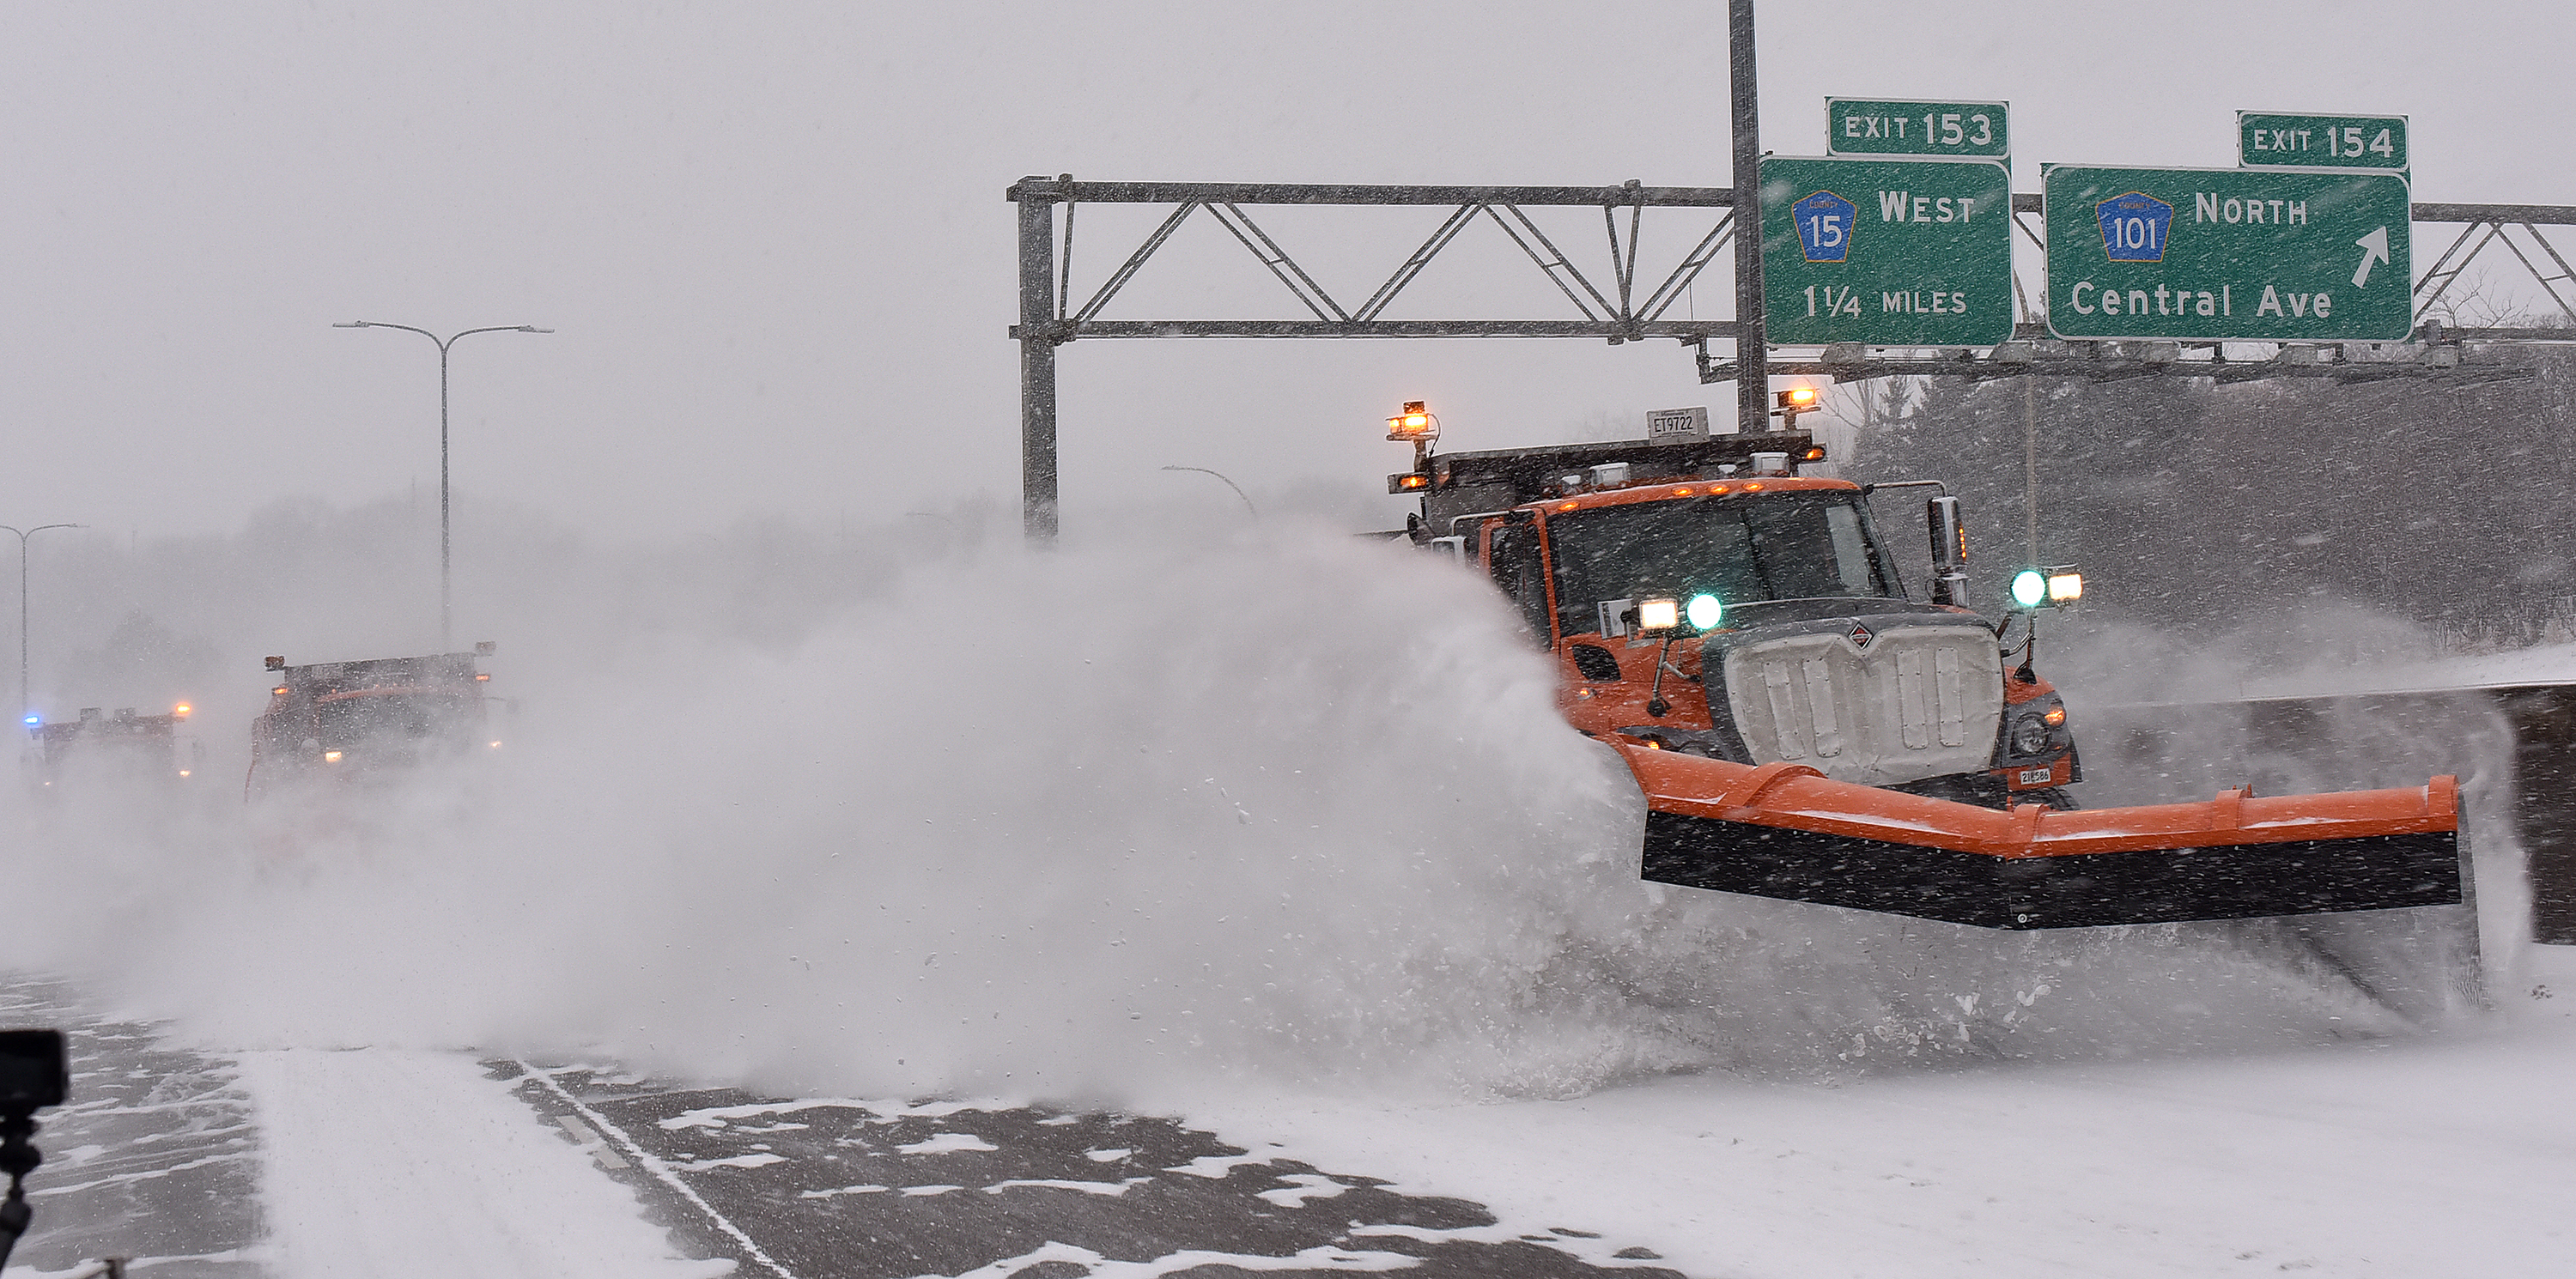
[370, 721]
[1807, 724]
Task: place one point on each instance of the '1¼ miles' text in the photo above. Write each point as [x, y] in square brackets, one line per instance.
[1842, 299]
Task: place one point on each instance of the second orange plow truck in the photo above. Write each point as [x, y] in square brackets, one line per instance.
[1807, 725]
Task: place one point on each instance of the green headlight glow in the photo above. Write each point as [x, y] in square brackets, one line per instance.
[2029, 587]
[1704, 611]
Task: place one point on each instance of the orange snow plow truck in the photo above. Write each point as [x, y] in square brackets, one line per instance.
[1805, 727]
[368, 721]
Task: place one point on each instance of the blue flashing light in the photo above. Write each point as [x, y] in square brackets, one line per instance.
[35, 721]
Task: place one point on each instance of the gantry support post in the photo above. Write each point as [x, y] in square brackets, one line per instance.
[1038, 337]
[1753, 373]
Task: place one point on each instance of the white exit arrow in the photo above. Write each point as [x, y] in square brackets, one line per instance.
[2374, 248]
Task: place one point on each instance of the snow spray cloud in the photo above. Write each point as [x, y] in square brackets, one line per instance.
[1128, 821]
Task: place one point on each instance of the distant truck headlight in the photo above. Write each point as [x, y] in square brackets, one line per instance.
[330, 757]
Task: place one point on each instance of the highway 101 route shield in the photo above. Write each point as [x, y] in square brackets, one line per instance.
[2265, 255]
[1886, 252]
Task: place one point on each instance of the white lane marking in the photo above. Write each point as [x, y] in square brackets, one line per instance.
[587, 1140]
[1304, 1186]
[761, 1160]
[1218, 1167]
[947, 1143]
[661, 1171]
[1111, 1188]
[1099, 1267]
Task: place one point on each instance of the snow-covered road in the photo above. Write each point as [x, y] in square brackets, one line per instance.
[2446, 1154]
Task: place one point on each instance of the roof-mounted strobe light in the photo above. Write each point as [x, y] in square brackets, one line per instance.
[1415, 423]
[1787, 405]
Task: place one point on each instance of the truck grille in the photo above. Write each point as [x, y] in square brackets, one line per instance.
[1874, 705]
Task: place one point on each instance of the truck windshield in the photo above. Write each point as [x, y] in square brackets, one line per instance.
[1742, 549]
[390, 718]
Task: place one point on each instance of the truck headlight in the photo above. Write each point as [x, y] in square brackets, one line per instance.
[2030, 734]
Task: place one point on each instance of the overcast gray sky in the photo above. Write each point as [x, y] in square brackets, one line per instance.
[773, 241]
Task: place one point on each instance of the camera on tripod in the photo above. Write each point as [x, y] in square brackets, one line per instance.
[35, 1072]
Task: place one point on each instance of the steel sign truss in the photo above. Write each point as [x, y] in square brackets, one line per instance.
[1605, 304]
[1603, 296]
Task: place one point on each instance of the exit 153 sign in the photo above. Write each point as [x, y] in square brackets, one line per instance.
[1886, 252]
[1872, 126]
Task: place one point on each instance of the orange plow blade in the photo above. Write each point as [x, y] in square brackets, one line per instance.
[1786, 831]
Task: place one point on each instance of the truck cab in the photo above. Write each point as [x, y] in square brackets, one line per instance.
[369, 720]
[1704, 598]
[124, 748]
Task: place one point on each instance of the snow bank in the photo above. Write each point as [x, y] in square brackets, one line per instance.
[398, 1164]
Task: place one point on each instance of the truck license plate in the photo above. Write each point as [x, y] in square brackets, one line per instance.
[2037, 776]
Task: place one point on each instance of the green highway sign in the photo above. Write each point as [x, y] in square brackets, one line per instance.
[2265, 255]
[1864, 126]
[1886, 252]
[2276, 139]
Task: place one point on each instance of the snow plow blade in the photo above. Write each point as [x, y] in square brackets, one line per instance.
[1786, 831]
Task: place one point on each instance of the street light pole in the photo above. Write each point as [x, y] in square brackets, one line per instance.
[23, 535]
[446, 634]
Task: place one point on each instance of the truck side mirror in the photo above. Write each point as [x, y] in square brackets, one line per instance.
[1949, 550]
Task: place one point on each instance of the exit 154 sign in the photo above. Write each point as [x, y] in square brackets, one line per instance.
[1886, 252]
[2277, 255]
[2273, 138]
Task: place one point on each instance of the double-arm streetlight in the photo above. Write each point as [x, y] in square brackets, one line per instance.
[23, 535]
[446, 637]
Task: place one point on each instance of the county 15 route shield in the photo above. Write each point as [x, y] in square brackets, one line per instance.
[1886, 252]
